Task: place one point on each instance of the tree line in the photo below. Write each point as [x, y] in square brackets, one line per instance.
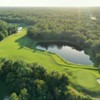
[6, 29]
[32, 82]
[73, 25]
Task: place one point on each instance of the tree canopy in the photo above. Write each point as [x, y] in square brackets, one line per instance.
[6, 29]
[33, 82]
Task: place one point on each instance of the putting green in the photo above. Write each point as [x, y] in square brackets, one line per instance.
[86, 79]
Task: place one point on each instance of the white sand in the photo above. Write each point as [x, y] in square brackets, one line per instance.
[98, 80]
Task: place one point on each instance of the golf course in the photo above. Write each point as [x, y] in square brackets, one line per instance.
[20, 47]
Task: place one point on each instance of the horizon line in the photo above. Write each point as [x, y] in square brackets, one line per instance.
[50, 6]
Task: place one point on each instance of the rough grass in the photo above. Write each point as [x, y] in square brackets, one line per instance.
[19, 46]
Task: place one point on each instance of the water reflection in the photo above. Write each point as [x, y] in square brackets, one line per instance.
[69, 52]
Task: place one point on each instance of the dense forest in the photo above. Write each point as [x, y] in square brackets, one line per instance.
[33, 82]
[75, 26]
[79, 27]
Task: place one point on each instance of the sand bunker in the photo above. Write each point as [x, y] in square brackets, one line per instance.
[98, 80]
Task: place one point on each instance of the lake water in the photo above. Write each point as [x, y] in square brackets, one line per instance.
[75, 55]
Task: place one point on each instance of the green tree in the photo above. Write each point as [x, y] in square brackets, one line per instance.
[13, 96]
[23, 94]
[98, 61]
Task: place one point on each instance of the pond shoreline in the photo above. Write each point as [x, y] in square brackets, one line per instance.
[57, 46]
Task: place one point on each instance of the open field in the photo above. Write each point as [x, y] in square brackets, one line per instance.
[19, 46]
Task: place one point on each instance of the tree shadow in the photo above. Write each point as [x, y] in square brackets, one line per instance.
[25, 41]
[85, 90]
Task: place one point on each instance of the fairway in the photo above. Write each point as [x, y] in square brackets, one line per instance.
[19, 46]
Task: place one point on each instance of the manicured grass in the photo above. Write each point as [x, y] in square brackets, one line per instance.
[85, 78]
[19, 46]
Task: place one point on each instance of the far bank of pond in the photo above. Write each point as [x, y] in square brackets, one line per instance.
[67, 51]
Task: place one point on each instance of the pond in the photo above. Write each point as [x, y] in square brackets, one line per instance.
[19, 29]
[67, 51]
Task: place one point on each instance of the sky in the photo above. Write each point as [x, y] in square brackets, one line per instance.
[50, 3]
